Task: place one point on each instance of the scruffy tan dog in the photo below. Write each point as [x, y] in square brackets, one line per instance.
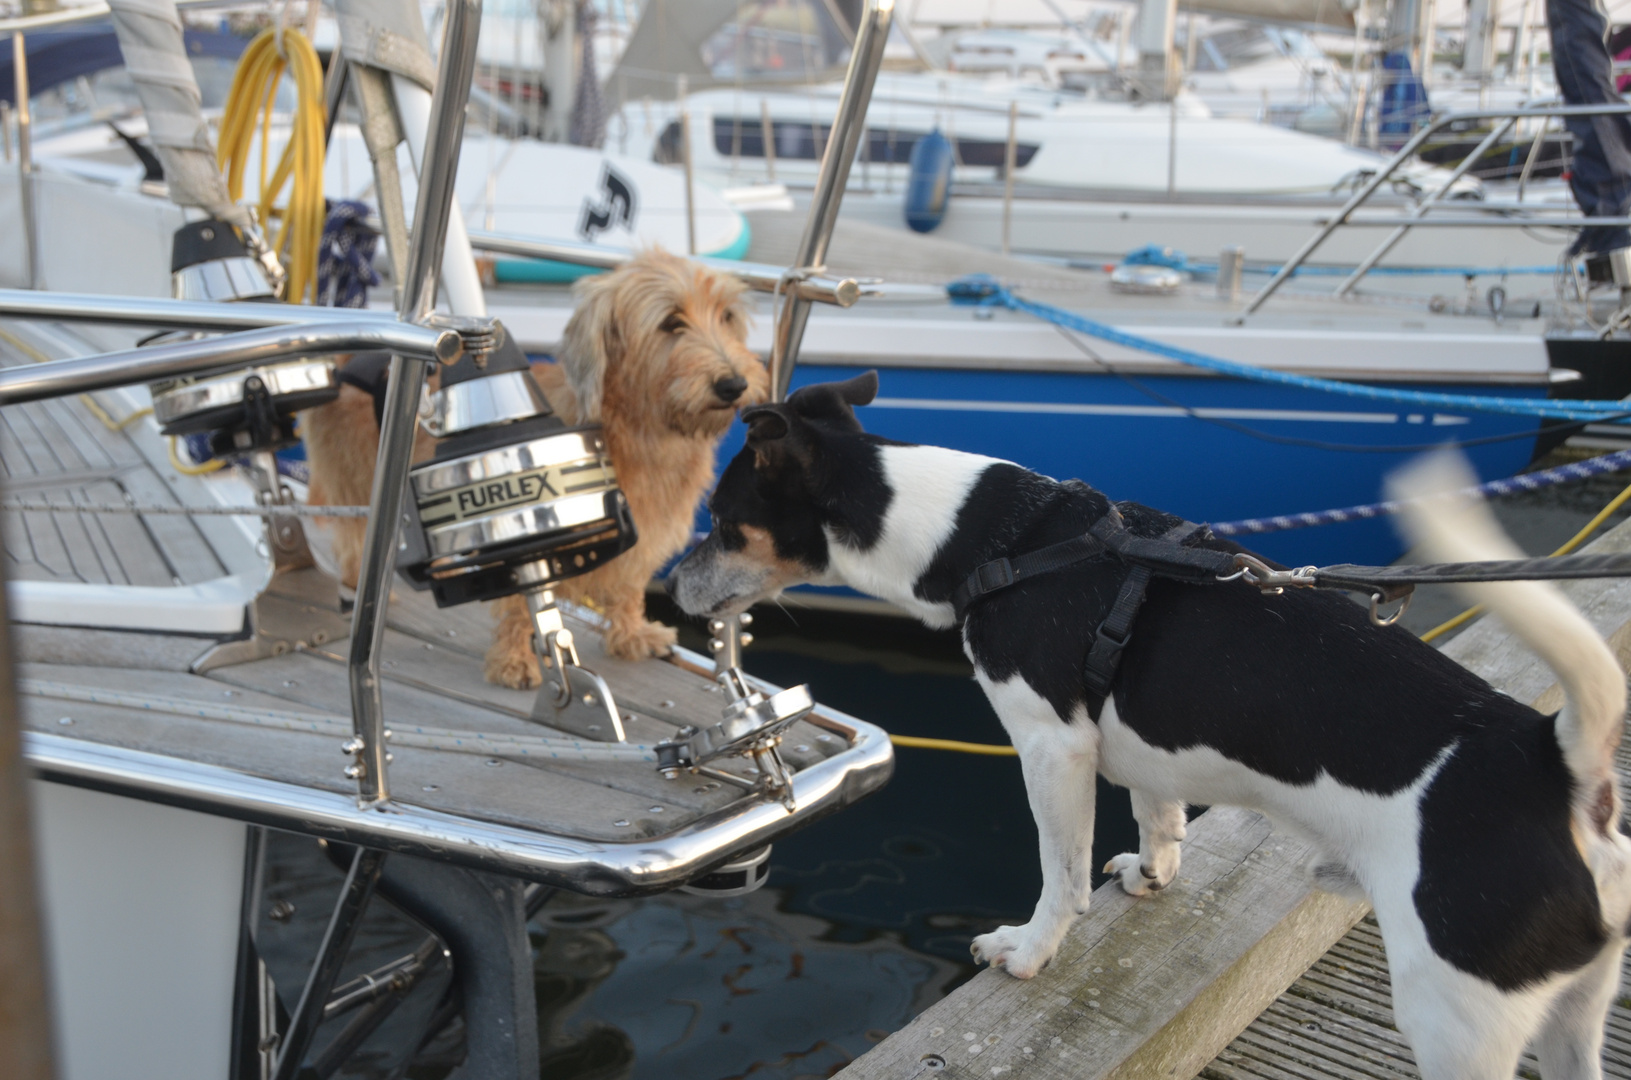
[656, 353]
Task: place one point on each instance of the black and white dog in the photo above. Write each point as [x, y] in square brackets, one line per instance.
[1484, 833]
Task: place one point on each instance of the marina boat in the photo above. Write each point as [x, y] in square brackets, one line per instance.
[1097, 171]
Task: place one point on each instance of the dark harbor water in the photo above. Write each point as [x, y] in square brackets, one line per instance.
[867, 915]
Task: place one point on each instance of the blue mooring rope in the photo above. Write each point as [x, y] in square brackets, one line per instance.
[983, 290]
[1535, 481]
[1156, 255]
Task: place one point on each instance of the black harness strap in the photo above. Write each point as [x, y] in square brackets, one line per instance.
[1104, 656]
[1164, 555]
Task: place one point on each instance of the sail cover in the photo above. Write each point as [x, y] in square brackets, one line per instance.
[155, 54]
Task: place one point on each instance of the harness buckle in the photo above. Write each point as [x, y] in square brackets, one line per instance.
[998, 574]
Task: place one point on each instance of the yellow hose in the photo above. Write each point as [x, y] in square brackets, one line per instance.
[1575, 541]
[107, 418]
[186, 469]
[254, 90]
[953, 745]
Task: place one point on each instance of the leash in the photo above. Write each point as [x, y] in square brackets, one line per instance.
[1389, 583]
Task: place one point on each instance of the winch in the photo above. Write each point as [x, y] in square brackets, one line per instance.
[251, 412]
[513, 502]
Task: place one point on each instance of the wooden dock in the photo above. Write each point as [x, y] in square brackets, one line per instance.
[1240, 970]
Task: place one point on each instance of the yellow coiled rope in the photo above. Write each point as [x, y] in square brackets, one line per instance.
[253, 94]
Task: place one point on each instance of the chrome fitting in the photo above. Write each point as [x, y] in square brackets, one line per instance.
[479, 334]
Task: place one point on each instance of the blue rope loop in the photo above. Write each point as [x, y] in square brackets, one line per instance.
[977, 290]
[984, 290]
[1535, 481]
[345, 255]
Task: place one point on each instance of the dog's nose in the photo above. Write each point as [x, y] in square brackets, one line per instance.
[730, 389]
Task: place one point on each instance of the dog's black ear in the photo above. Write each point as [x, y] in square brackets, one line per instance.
[833, 401]
[859, 390]
[768, 426]
[765, 424]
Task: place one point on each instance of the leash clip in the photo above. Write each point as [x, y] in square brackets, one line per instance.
[1271, 582]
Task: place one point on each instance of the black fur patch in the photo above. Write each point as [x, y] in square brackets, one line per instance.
[1503, 892]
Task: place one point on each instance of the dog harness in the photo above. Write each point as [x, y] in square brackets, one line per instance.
[1145, 557]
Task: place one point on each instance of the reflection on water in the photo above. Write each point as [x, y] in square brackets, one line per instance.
[700, 989]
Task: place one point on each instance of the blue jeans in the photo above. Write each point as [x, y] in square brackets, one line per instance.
[1601, 173]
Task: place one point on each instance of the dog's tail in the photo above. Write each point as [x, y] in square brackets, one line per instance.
[1455, 528]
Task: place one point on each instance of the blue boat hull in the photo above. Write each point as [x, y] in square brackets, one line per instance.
[1254, 451]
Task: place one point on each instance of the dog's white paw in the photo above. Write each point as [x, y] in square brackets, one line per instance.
[1015, 949]
[1134, 878]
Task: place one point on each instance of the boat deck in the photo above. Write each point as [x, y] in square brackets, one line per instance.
[115, 702]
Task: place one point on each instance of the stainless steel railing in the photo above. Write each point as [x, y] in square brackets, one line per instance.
[761, 277]
[163, 313]
[433, 207]
[83, 374]
[849, 127]
[1421, 216]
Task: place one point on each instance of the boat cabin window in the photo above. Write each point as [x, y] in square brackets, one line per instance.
[797, 140]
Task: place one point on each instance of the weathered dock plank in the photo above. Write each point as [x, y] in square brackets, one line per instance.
[1140, 988]
[1234, 998]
